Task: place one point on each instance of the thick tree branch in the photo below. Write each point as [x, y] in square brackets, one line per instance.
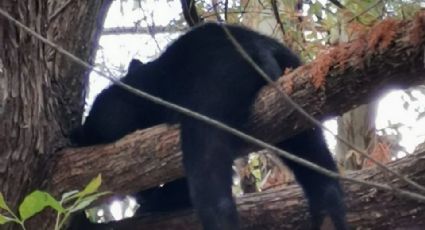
[287, 209]
[392, 54]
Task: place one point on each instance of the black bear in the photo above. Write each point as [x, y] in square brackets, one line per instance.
[204, 72]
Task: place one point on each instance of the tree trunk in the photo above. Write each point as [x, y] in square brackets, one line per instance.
[357, 127]
[41, 95]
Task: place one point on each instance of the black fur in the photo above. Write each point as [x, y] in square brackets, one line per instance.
[170, 197]
[324, 194]
[204, 72]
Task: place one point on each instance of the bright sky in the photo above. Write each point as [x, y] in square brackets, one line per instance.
[391, 111]
[117, 50]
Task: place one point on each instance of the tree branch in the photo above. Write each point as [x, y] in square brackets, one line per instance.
[337, 4]
[189, 12]
[141, 30]
[286, 208]
[277, 16]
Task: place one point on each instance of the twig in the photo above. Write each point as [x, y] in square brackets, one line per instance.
[226, 8]
[277, 16]
[190, 13]
[365, 11]
[337, 4]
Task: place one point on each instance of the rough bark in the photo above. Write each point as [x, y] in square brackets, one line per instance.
[153, 154]
[23, 136]
[286, 208]
[38, 101]
[148, 158]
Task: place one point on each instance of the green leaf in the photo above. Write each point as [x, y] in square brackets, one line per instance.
[86, 201]
[4, 219]
[36, 202]
[92, 187]
[3, 204]
[69, 195]
[316, 9]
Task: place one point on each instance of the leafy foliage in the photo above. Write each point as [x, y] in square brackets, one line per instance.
[38, 200]
[311, 26]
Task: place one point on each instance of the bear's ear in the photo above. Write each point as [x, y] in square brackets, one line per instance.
[134, 65]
